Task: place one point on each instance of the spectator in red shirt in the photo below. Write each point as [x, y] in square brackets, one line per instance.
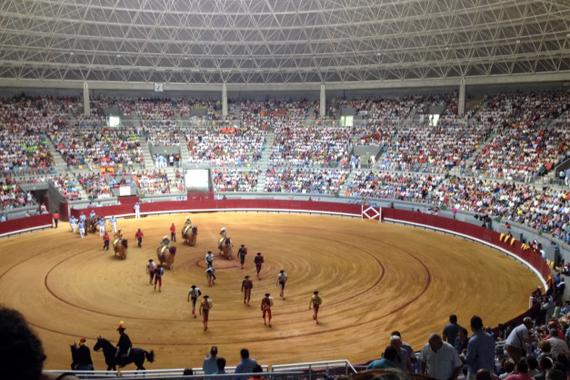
[106, 241]
[173, 233]
[521, 372]
[139, 235]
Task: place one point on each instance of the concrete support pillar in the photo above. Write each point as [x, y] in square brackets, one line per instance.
[224, 100]
[461, 105]
[86, 103]
[323, 102]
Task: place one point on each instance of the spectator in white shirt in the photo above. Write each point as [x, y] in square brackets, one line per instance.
[439, 359]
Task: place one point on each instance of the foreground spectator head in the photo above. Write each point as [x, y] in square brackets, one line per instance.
[244, 353]
[545, 346]
[396, 342]
[483, 374]
[560, 367]
[476, 324]
[522, 366]
[555, 374]
[257, 369]
[532, 363]
[453, 318]
[390, 353]
[545, 363]
[435, 341]
[221, 363]
[21, 352]
[509, 365]
[214, 351]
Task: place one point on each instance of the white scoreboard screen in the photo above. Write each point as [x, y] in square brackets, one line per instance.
[197, 180]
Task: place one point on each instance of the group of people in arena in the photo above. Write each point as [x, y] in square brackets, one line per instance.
[535, 347]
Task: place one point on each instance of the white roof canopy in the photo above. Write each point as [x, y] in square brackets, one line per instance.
[296, 42]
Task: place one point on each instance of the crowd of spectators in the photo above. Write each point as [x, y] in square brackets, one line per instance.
[95, 185]
[227, 180]
[225, 145]
[412, 187]
[545, 210]
[24, 124]
[304, 180]
[432, 149]
[522, 152]
[299, 145]
[68, 186]
[12, 196]
[99, 147]
[157, 182]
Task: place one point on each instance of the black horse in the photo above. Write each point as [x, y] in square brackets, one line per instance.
[136, 355]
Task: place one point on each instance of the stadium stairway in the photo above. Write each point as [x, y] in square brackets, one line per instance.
[80, 189]
[184, 153]
[59, 163]
[348, 182]
[148, 161]
[263, 163]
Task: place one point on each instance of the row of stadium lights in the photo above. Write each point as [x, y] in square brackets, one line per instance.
[314, 57]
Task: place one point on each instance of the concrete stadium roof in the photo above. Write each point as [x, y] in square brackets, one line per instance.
[258, 43]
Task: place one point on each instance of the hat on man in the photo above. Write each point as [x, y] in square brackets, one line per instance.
[121, 326]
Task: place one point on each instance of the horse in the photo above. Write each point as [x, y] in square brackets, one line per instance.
[121, 248]
[166, 256]
[136, 355]
[190, 235]
[91, 224]
[226, 248]
[73, 355]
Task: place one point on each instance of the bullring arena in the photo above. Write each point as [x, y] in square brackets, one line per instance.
[407, 159]
[374, 278]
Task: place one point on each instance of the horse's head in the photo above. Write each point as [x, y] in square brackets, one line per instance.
[125, 243]
[228, 241]
[99, 344]
[172, 251]
[195, 230]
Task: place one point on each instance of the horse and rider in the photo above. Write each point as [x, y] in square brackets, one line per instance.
[120, 245]
[225, 244]
[166, 252]
[123, 353]
[189, 232]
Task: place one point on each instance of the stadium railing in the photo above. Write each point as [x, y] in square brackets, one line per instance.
[178, 373]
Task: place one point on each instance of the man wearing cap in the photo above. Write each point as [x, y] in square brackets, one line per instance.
[246, 286]
[150, 268]
[242, 251]
[124, 345]
[193, 295]
[118, 237]
[165, 242]
[210, 259]
[224, 233]
[281, 280]
[82, 357]
[315, 304]
[266, 304]
[205, 307]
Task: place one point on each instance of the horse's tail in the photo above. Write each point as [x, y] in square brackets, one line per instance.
[149, 355]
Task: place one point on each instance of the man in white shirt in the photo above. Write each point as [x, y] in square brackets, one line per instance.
[517, 340]
[439, 359]
[558, 346]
